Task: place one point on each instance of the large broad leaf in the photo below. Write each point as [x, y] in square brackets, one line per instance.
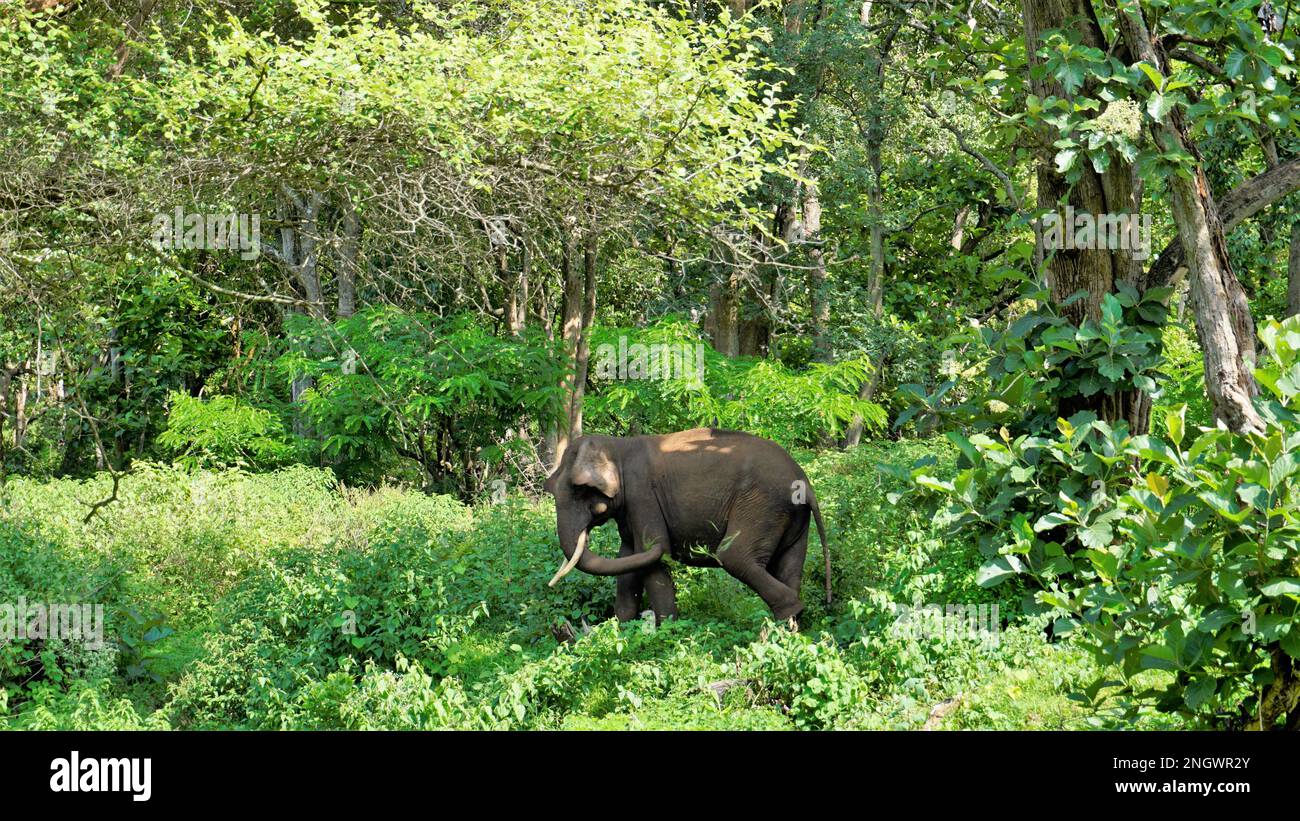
[1051, 520]
[1281, 587]
[1157, 657]
[1199, 692]
[1098, 535]
[1175, 424]
[997, 570]
[1291, 642]
[934, 484]
[1106, 564]
[967, 449]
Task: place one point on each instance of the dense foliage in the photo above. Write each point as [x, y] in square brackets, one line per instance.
[301, 302]
[1174, 552]
[319, 608]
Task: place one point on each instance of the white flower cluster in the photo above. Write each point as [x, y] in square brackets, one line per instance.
[1121, 117]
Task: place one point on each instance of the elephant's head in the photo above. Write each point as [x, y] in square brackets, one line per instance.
[588, 490]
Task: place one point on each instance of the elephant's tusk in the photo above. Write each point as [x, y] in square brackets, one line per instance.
[573, 561]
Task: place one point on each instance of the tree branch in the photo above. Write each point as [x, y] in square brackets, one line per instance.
[1238, 205]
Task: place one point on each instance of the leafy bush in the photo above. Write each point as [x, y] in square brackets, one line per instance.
[809, 678]
[163, 337]
[1176, 554]
[408, 698]
[761, 396]
[223, 432]
[35, 572]
[1041, 362]
[86, 706]
[180, 539]
[446, 394]
[1184, 372]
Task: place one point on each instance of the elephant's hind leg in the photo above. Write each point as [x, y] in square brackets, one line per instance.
[745, 556]
[787, 564]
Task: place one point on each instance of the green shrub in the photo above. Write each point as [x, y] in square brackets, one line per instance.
[408, 698]
[809, 679]
[392, 386]
[761, 396]
[223, 432]
[86, 706]
[1175, 553]
[701, 712]
[1184, 383]
[1025, 372]
[180, 539]
[36, 572]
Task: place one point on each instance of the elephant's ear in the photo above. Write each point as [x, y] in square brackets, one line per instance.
[551, 481]
[593, 467]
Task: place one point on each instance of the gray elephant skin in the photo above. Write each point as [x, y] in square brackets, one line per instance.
[707, 497]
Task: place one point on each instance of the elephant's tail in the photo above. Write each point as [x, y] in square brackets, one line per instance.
[826, 553]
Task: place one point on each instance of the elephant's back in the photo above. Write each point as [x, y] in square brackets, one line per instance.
[731, 454]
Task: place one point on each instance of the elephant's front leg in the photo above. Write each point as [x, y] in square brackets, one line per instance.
[627, 597]
[660, 591]
[655, 581]
[627, 594]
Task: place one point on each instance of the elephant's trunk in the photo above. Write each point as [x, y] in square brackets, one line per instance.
[601, 566]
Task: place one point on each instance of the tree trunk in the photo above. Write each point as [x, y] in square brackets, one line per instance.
[1097, 270]
[349, 262]
[583, 355]
[958, 240]
[1224, 325]
[579, 312]
[723, 323]
[875, 283]
[519, 315]
[514, 285]
[299, 245]
[875, 214]
[1238, 205]
[762, 288]
[299, 238]
[853, 434]
[1282, 696]
[20, 413]
[6, 384]
[821, 309]
[755, 311]
[874, 134]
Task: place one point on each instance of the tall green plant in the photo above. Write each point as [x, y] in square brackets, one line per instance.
[223, 432]
[761, 396]
[1178, 553]
[1041, 362]
[444, 393]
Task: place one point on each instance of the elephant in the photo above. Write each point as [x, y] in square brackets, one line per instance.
[707, 497]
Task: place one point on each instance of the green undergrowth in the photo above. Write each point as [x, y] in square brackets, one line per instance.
[286, 600]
